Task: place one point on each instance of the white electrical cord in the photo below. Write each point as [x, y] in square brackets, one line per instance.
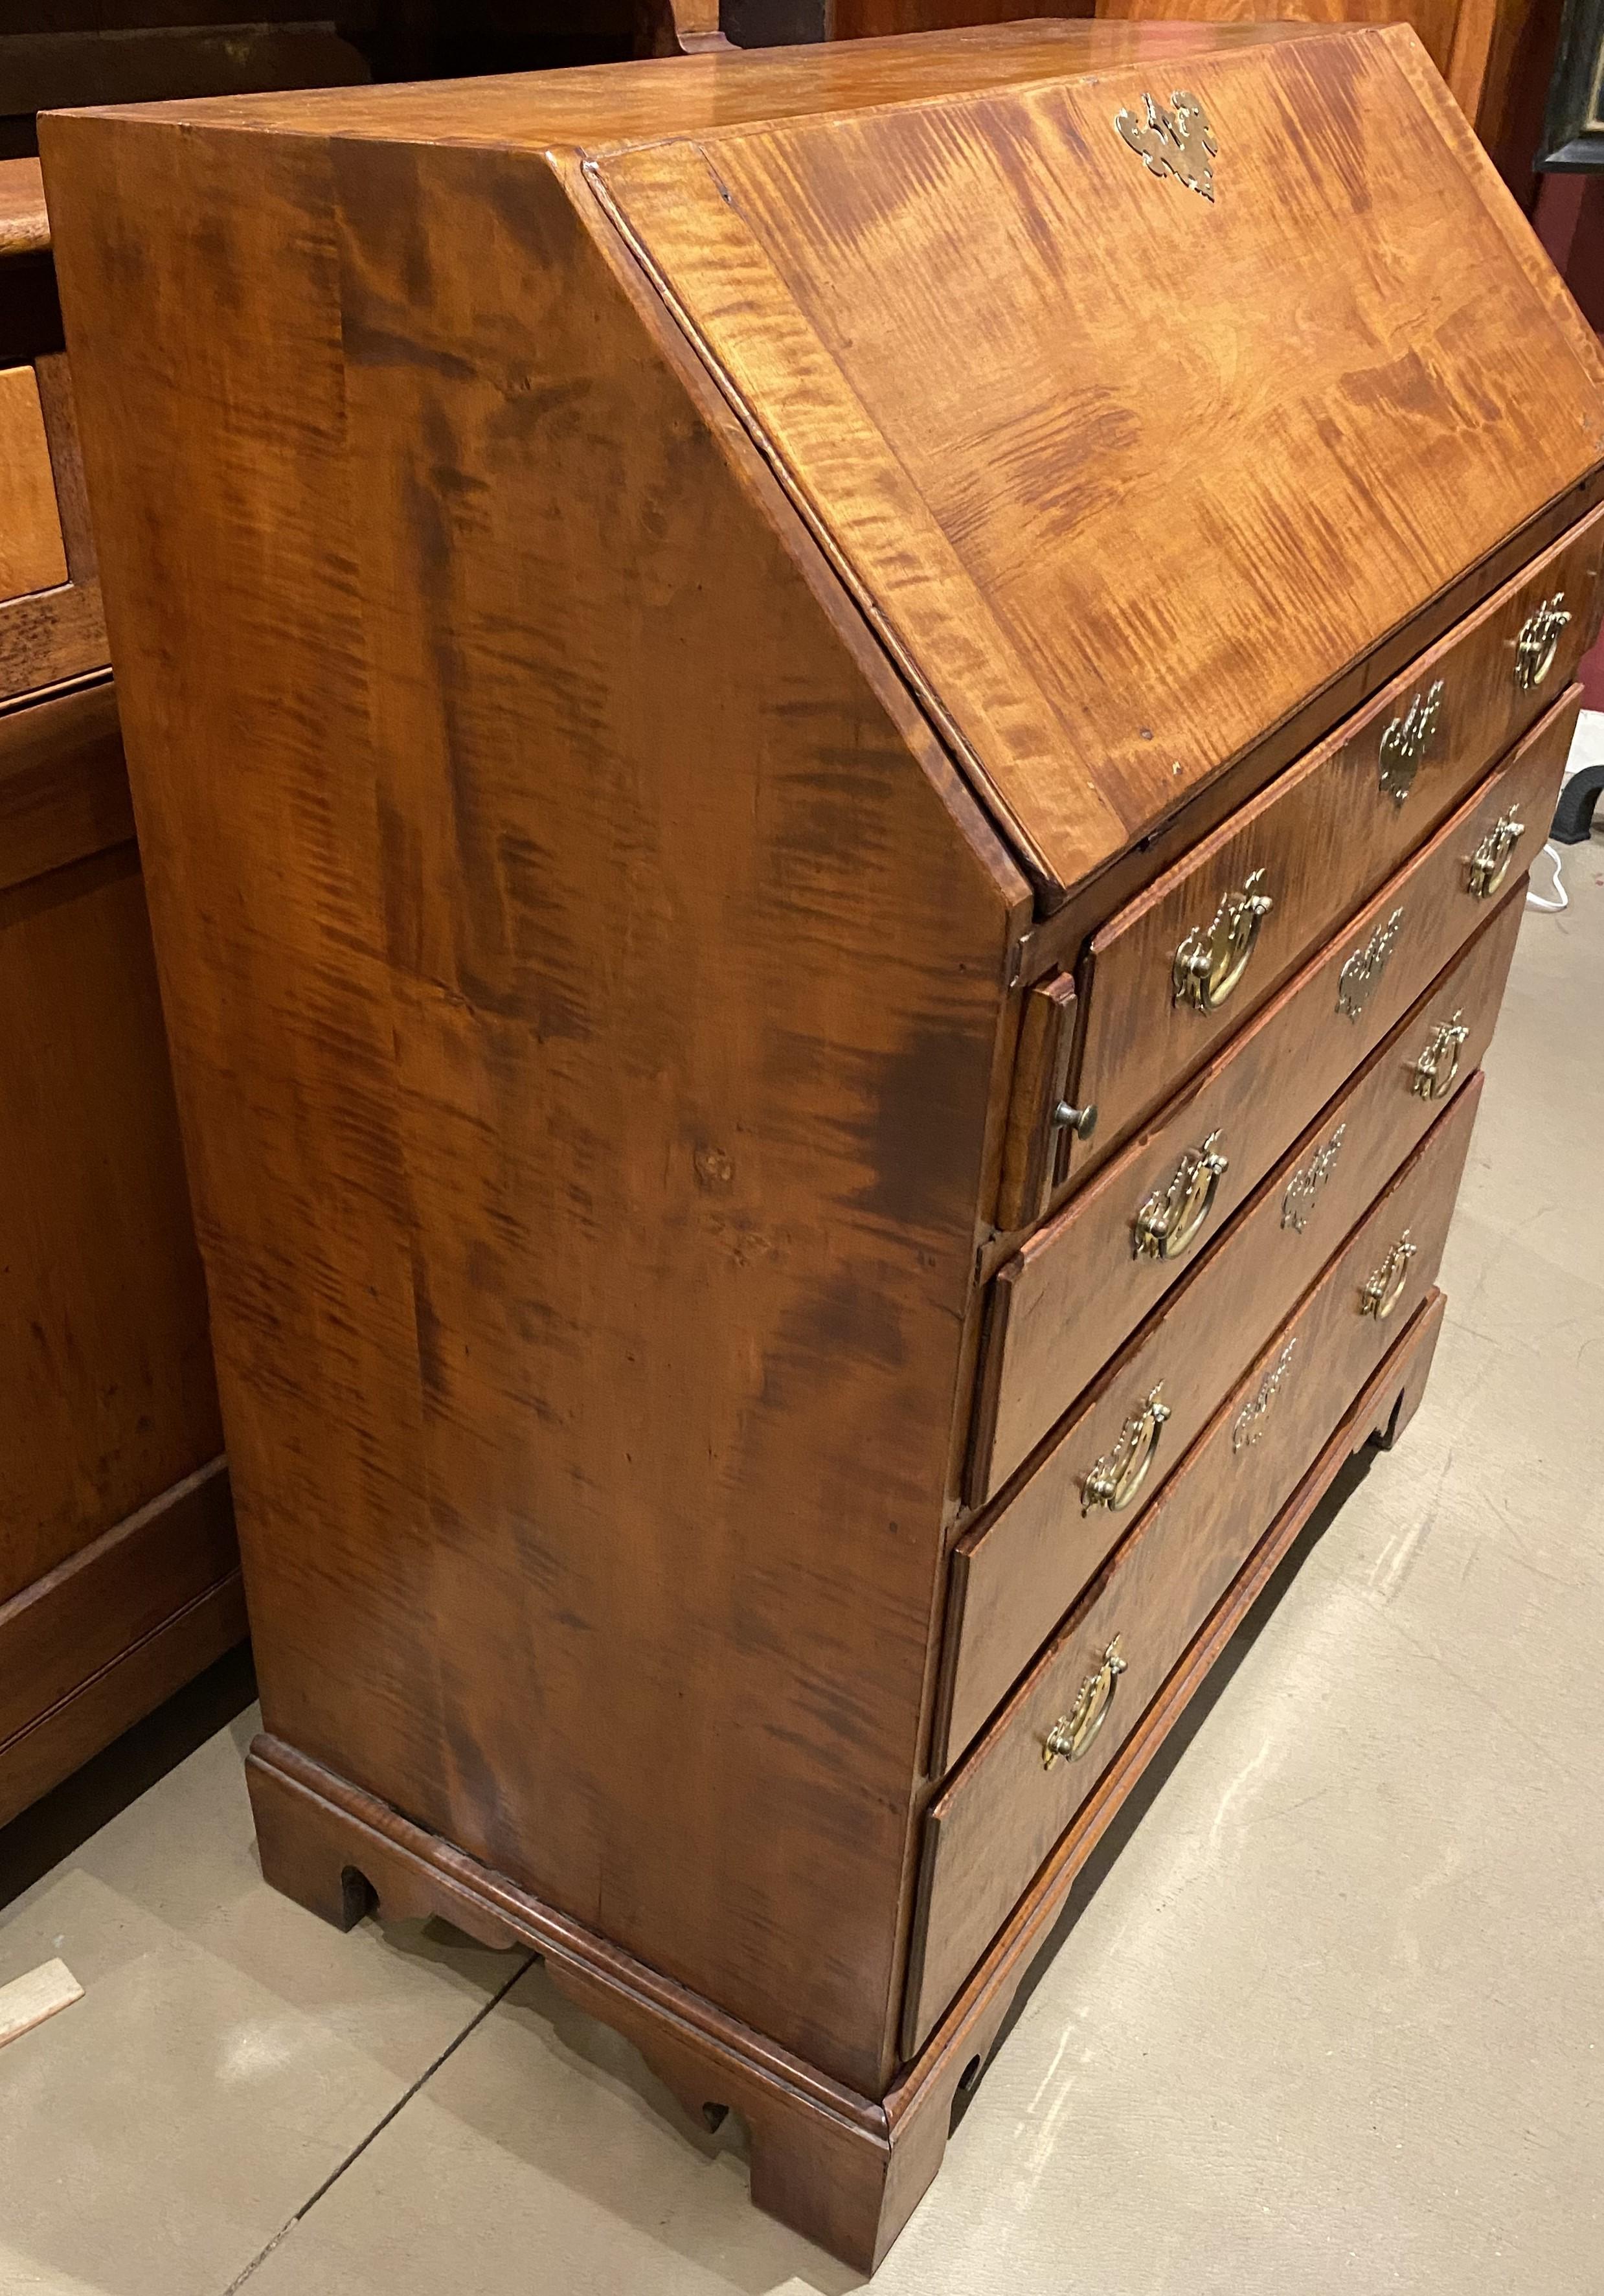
[1536, 901]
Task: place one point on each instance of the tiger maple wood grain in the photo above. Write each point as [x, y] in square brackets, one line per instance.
[933, 314]
[585, 1293]
[590, 788]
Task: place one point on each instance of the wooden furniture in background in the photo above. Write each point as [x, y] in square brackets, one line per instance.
[1572, 139]
[118, 1575]
[1462, 38]
[781, 23]
[56, 51]
[722, 618]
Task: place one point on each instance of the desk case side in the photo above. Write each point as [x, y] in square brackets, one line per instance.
[587, 994]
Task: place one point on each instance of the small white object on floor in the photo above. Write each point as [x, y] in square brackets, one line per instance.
[1561, 899]
[27, 2001]
[1586, 748]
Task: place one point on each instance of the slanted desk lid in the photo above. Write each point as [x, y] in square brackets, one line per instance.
[1124, 472]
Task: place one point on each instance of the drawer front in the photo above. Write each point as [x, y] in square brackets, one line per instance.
[32, 556]
[1178, 970]
[1080, 1285]
[1382, 1409]
[1016, 1571]
[987, 1832]
[1324, 836]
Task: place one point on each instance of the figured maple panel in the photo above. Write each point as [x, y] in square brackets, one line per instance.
[31, 552]
[587, 1013]
[1125, 474]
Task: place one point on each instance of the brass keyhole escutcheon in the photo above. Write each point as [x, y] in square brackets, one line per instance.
[1537, 644]
[1073, 1732]
[1304, 1185]
[1406, 741]
[1385, 1289]
[1434, 1071]
[1114, 1481]
[1208, 966]
[1489, 864]
[1178, 143]
[1249, 1423]
[1172, 1216]
[1357, 982]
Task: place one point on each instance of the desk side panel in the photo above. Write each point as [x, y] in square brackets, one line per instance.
[585, 996]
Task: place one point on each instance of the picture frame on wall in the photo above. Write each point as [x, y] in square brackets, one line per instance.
[1572, 139]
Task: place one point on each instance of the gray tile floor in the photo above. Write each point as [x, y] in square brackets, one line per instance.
[1334, 2018]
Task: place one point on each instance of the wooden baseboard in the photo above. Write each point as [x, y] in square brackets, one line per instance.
[91, 1648]
[847, 2170]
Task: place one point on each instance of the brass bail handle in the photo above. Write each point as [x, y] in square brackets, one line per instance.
[1072, 1734]
[1385, 1289]
[1537, 646]
[1120, 1475]
[1208, 966]
[1172, 1216]
[1438, 1065]
[1489, 864]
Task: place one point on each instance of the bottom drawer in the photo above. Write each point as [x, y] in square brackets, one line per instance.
[990, 1828]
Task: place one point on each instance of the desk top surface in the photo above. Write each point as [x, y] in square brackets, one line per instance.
[1139, 380]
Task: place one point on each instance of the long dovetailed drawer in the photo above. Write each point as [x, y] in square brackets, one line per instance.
[1018, 1570]
[1081, 1285]
[991, 1827]
[1321, 838]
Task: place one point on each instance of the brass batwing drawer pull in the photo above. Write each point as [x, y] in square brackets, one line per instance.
[1172, 1216]
[1406, 741]
[1115, 1480]
[1249, 1423]
[1538, 641]
[1434, 1071]
[1489, 864]
[1073, 1732]
[1357, 982]
[1208, 965]
[1385, 1289]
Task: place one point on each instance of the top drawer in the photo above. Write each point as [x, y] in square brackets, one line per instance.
[1210, 941]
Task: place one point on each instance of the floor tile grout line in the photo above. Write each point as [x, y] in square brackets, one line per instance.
[381, 2124]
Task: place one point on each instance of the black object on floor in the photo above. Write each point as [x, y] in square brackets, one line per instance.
[52, 1828]
[1573, 816]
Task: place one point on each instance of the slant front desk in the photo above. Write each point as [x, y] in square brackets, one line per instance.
[836, 752]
